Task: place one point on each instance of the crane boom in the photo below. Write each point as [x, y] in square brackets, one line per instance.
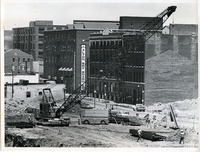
[141, 36]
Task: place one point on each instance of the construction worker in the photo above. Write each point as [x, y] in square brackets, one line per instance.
[29, 119]
[147, 121]
[139, 134]
[182, 134]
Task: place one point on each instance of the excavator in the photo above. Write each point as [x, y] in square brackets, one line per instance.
[50, 114]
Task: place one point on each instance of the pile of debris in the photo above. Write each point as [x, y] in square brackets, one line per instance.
[179, 107]
[16, 105]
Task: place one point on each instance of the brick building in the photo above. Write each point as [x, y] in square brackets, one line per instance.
[66, 52]
[18, 62]
[103, 47]
[63, 52]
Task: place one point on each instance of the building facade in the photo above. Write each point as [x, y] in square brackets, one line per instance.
[33, 91]
[30, 39]
[103, 48]
[17, 62]
[66, 52]
[65, 56]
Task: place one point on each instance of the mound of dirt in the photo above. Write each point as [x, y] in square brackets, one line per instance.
[169, 77]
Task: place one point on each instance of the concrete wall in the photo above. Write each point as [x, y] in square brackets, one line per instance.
[20, 91]
[17, 78]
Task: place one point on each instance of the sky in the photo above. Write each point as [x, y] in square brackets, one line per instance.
[18, 13]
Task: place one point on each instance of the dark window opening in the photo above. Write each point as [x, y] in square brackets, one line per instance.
[28, 94]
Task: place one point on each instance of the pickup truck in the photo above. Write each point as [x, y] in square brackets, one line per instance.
[140, 107]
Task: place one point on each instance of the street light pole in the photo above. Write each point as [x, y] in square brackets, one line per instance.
[94, 98]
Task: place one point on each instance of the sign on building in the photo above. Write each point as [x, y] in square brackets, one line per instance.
[83, 65]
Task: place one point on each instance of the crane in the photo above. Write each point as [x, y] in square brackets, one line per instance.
[123, 53]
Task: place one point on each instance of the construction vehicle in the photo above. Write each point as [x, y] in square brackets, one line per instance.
[46, 114]
[117, 61]
[120, 117]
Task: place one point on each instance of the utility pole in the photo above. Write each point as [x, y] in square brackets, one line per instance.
[12, 80]
[18, 62]
[26, 67]
[95, 98]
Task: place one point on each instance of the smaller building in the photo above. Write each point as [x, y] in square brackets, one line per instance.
[33, 91]
[17, 62]
[15, 79]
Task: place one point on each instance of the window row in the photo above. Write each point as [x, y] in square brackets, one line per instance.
[20, 60]
[133, 76]
[105, 44]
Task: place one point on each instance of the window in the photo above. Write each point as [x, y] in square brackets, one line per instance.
[28, 60]
[40, 93]
[23, 59]
[40, 46]
[28, 94]
[13, 59]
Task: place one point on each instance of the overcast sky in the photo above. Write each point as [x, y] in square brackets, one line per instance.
[18, 13]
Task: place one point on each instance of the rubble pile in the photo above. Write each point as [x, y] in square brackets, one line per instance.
[187, 107]
[16, 105]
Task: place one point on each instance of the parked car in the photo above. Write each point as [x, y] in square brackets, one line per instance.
[140, 107]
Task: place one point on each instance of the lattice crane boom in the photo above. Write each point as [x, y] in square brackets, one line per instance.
[142, 35]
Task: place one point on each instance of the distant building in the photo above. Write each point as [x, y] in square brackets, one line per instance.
[30, 39]
[8, 40]
[165, 30]
[96, 24]
[136, 23]
[183, 29]
[18, 62]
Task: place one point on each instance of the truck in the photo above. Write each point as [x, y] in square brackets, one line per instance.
[140, 107]
[119, 117]
[94, 116]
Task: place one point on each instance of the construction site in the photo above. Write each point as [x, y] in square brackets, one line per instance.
[55, 118]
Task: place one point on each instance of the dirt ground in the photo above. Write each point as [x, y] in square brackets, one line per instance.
[111, 135]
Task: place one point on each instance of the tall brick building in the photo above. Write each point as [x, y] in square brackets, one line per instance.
[66, 52]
